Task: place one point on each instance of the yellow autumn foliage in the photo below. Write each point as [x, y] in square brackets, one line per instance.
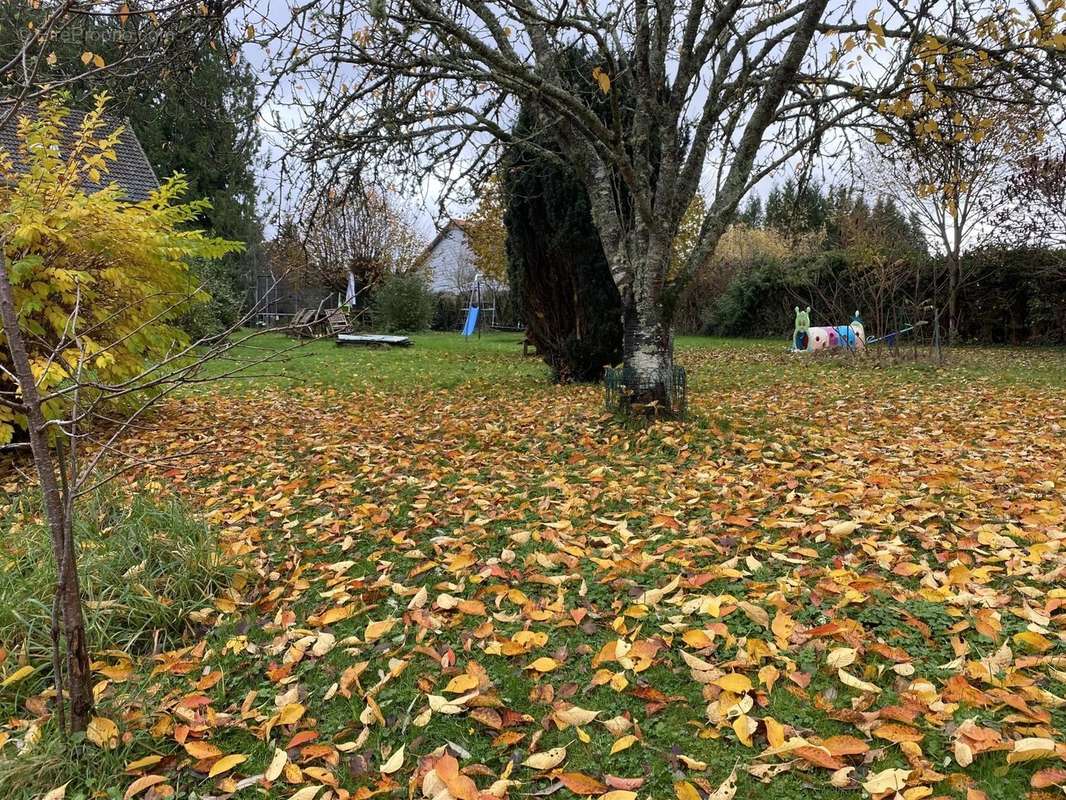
[486, 231]
[88, 262]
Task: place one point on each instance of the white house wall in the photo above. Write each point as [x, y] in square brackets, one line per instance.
[451, 264]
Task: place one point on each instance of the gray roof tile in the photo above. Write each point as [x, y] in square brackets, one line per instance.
[131, 171]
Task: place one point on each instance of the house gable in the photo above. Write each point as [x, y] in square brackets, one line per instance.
[131, 171]
[449, 261]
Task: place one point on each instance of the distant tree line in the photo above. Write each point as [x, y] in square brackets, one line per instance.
[839, 251]
[834, 248]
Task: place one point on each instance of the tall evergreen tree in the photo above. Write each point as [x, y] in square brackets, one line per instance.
[795, 209]
[752, 213]
[556, 264]
[202, 123]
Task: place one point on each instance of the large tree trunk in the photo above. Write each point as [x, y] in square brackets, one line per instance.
[649, 356]
[648, 342]
[78, 673]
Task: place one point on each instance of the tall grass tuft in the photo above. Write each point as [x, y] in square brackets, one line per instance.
[144, 565]
[93, 774]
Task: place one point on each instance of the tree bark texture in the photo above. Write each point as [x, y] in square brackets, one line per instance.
[78, 678]
[648, 342]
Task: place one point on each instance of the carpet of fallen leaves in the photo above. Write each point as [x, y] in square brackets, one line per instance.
[840, 582]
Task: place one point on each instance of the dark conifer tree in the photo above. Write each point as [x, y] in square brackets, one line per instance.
[201, 122]
[794, 208]
[556, 265]
[752, 213]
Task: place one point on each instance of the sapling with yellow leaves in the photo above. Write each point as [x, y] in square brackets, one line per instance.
[97, 282]
[90, 286]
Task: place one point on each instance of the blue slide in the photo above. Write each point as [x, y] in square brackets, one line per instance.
[471, 321]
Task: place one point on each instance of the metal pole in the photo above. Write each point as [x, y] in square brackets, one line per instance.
[936, 334]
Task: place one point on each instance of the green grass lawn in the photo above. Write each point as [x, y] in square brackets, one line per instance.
[447, 360]
[435, 361]
[406, 525]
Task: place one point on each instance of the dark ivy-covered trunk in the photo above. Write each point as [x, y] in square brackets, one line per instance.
[556, 265]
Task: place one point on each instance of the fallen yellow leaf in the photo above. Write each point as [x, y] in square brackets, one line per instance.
[291, 714]
[1031, 749]
[549, 759]
[226, 763]
[141, 763]
[840, 657]
[375, 630]
[143, 783]
[461, 684]
[18, 675]
[857, 683]
[544, 664]
[744, 726]
[277, 764]
[103, 733]
[844, 528]
[198, 749]
[394, 763]
[572, 715]
[887, 780]
[734, 682]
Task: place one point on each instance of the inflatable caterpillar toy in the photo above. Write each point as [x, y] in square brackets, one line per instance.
[806, 339]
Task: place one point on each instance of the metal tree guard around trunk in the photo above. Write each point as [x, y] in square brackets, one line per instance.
[621, 384]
